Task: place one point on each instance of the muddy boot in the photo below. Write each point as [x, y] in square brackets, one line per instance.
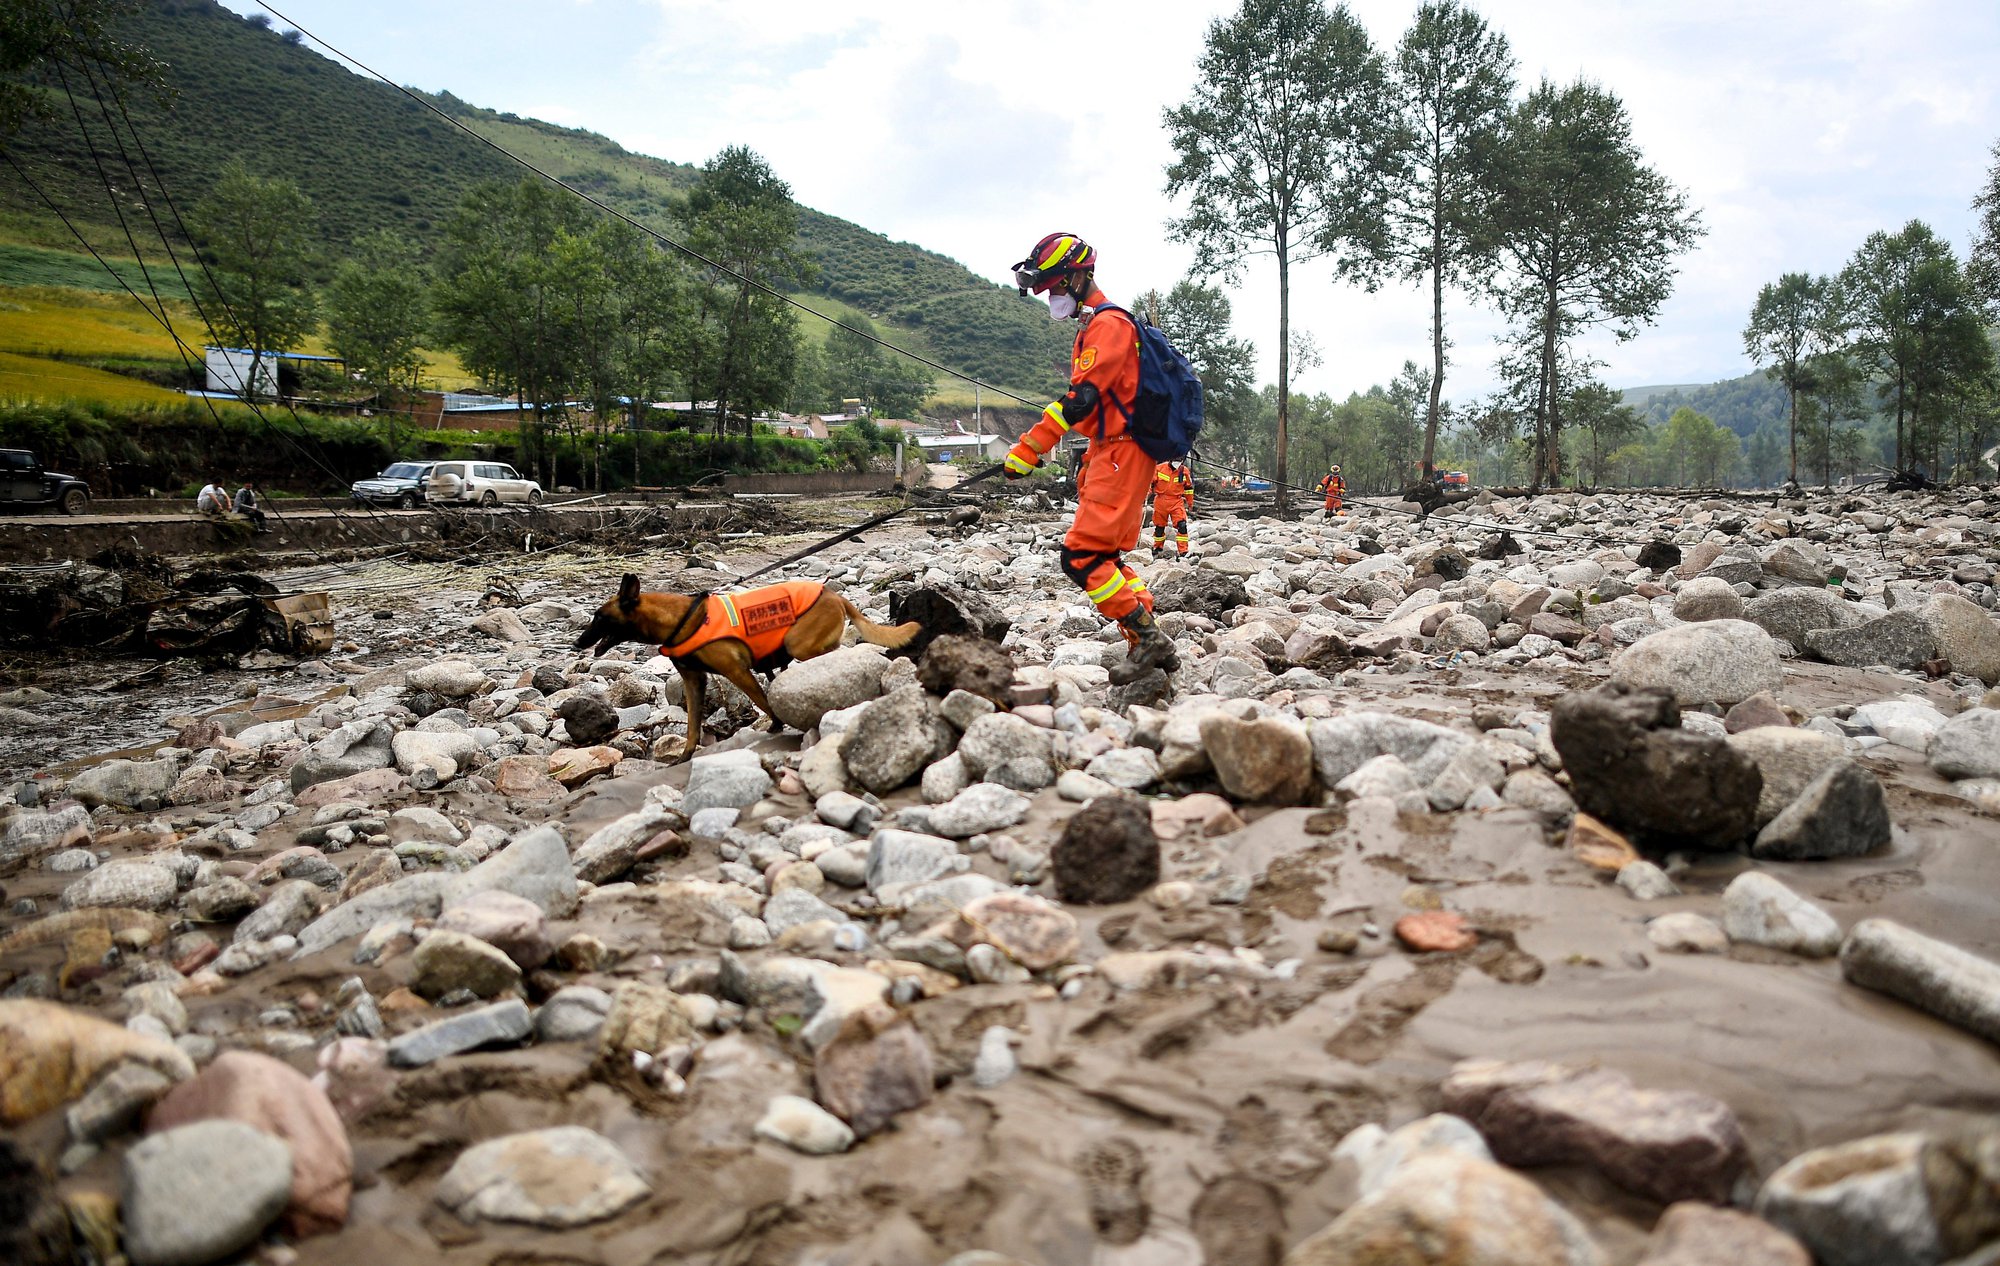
[1150, 648]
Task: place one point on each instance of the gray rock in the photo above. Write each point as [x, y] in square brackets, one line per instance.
[794, 906]
[286, 910]
[573, 1013]
[944, 779]
[900, 857]
[1759, 910]
[1792, 614]
[1473, 769]
[1968, 745]
[445, 753]
[201, 1192]
[565, 1176]
[1685, 932]
[134, 884]
[1461, 633]
[1843, 813]
[1344, 743]
[450, 678]
[446, 962]
[1133, 768]
[500, 1022]
[1384, 776]
[809, 689]
[727, 780]
[1646, 882]
[1900, 639]
[1004, 739]
[612, 848]
[125, 784]
[1966, 635]
[1932, 976]
[1789, 760]
[892, 740]
[1716, 661]
[980, 808]
[418, 896]
[1797, 560]
[847, 811]
[114, 1104]
[535, 864]
[995, 1062]
[1906, 722]
[1860, 1203]
[354, 748]
[1707, 598]
[33, 831]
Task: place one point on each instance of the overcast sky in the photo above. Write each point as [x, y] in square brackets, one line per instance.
[1796, 128]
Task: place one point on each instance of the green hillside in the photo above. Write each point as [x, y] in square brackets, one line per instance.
[1741, 404]
[371, 158]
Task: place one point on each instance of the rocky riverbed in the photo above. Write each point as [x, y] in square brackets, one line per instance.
[1579, 880]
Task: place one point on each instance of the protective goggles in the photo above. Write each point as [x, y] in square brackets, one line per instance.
[1028, 277]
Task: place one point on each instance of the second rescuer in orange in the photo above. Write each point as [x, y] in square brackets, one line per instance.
[1116, 472]
[1173, 490]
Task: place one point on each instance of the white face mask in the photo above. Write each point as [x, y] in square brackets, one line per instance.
[1061, 306]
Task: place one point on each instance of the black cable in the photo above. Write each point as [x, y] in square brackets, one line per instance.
[656, 235]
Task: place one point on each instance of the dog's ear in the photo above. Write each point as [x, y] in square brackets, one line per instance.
[628, 592]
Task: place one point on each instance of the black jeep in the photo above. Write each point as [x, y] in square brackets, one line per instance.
[24, 485]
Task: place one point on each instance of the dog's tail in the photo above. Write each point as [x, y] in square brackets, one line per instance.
[893, 636]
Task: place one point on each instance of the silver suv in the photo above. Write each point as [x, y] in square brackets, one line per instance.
[480, 483]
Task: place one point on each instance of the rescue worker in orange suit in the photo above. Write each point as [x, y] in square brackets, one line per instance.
[1112, 481]
[1173, 492]
[1335, 488]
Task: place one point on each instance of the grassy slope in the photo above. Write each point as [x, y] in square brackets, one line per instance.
[369, 157]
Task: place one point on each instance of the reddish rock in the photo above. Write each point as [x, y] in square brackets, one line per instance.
[524, 778]
[878, 1066]
[374, 870]
[1560, 627]
[1691, 1234]
[1758, 710]
[1665, 1145]
[1435, 931]
[1035, 933]
[271, 1096]
[513, 925]
[575, 766]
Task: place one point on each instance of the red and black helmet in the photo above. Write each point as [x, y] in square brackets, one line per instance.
[1055, 256]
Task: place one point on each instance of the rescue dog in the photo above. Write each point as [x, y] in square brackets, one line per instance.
[736, 635]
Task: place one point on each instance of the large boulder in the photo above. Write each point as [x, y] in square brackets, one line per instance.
[202, 1192]
[1201, 592]
[126, 784]
[354, 748]
[893, 739]
[1842, 813]
[444, 752]
[1789, 759]
[1632, 765]
[1707, 598]
[1791, 614]
[1006, 749]
[945, 608]
[811, 688]
[269, 1095]
[725, 780]
[1716, 661]
[1966, 635]
[1107, 852]
[957, 661]
[1268, 760]
[1900, 639]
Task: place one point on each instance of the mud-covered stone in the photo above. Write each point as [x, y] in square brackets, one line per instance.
[1107, 853]
[958, 661]
[1632, 765]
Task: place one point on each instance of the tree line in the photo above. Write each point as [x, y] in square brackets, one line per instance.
[582, 317]
[1426, 164]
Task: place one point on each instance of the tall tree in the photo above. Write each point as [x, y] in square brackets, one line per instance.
[51, 37]
[1912, 318]
[498, 296]
[1588, 234]
[1452, 78]
[740, 216]
[377, 311]
[259, 242]
[1983, 271]
[855, 363]
[1602, 412]
[1282, 150]
[1789, 326]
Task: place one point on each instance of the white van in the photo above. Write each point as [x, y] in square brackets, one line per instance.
[479, 483]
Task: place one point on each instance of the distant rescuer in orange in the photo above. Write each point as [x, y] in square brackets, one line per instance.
[1335, 488]
[1112, 482]
[1173, 492]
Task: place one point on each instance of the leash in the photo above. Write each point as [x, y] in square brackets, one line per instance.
[859, 528]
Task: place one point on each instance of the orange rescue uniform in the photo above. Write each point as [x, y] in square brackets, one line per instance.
[1335, 488]
[1111, 485]
[1173, 490]
[759, 618]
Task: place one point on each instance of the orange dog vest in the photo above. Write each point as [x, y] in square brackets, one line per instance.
[759, 618]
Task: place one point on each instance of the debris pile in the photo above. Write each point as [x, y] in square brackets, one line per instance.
[1618, 836]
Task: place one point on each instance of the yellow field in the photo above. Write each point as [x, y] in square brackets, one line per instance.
[38, 378]
[37, 320]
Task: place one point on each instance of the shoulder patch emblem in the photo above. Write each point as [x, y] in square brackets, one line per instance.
[1086, 360]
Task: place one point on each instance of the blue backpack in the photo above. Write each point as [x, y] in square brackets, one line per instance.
[1165, 415]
